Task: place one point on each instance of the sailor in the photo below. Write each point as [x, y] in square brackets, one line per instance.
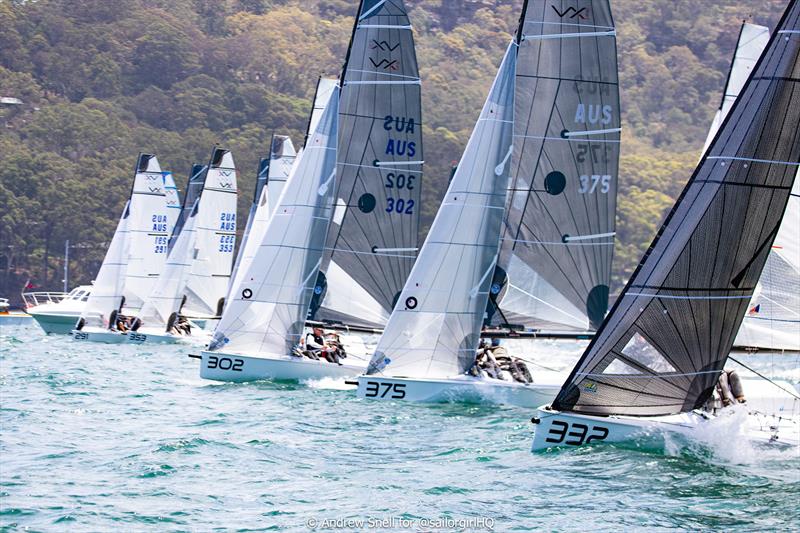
[516, 367]
[315, 342]
[485, 364]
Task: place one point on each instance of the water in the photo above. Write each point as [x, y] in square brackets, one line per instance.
[96, 438]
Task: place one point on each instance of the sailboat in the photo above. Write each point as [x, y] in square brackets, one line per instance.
[265, 319]
[135, 256]
[658, 356]
[194, 281]
[430, 343]
[372, 242]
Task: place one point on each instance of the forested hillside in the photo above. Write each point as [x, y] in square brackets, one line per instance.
[102, 80]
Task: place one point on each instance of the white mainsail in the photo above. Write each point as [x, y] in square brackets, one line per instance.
[149, 230]
[108, 288]
[752, 41]
[282, 158]
[435, 327]
[215, 238]
[773, 316]
[268, 306]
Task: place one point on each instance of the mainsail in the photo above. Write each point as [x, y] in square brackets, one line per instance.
[108, 288]
[372, 242]
[668, 336]
[273, 172]
[325, 86]
[268, 306]
[215, 238]
[435, 327]
[279, 165]
[148, 227]
[554, 270]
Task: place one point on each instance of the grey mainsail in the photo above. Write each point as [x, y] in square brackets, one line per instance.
[554, 270]
[668, 336]
[372, 241]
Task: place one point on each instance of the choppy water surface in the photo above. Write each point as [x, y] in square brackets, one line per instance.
[97, 437]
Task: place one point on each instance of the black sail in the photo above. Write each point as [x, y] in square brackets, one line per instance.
[373, 237]
[557, 248]
[669, 334]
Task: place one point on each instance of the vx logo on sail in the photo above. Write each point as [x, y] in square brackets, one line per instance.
[575, 12]
[385, 63]
[383, 45]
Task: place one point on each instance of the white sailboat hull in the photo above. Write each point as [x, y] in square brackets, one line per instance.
[61, 323]
[556, 429]
[459, 389]
[144, 336]
[14, 318]
[232, 367]
[98, 335]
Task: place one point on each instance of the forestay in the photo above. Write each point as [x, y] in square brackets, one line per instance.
[107, 292]
[435, 327]
[149, 231]
[268, 307]
[372, 242]
[555, 265]
[215, 239]
[661, 348]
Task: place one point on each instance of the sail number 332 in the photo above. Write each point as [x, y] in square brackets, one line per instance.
[574, 434]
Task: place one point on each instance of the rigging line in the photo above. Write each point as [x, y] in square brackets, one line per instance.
[592, 132]
[793, 394]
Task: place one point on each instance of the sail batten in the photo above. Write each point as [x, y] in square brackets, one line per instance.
[672, 328]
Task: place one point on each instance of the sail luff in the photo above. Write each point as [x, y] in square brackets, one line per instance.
[669, 334]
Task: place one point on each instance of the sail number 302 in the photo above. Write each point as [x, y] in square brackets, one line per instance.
[376, 389]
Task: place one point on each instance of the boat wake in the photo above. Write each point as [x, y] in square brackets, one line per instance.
[329, 383]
